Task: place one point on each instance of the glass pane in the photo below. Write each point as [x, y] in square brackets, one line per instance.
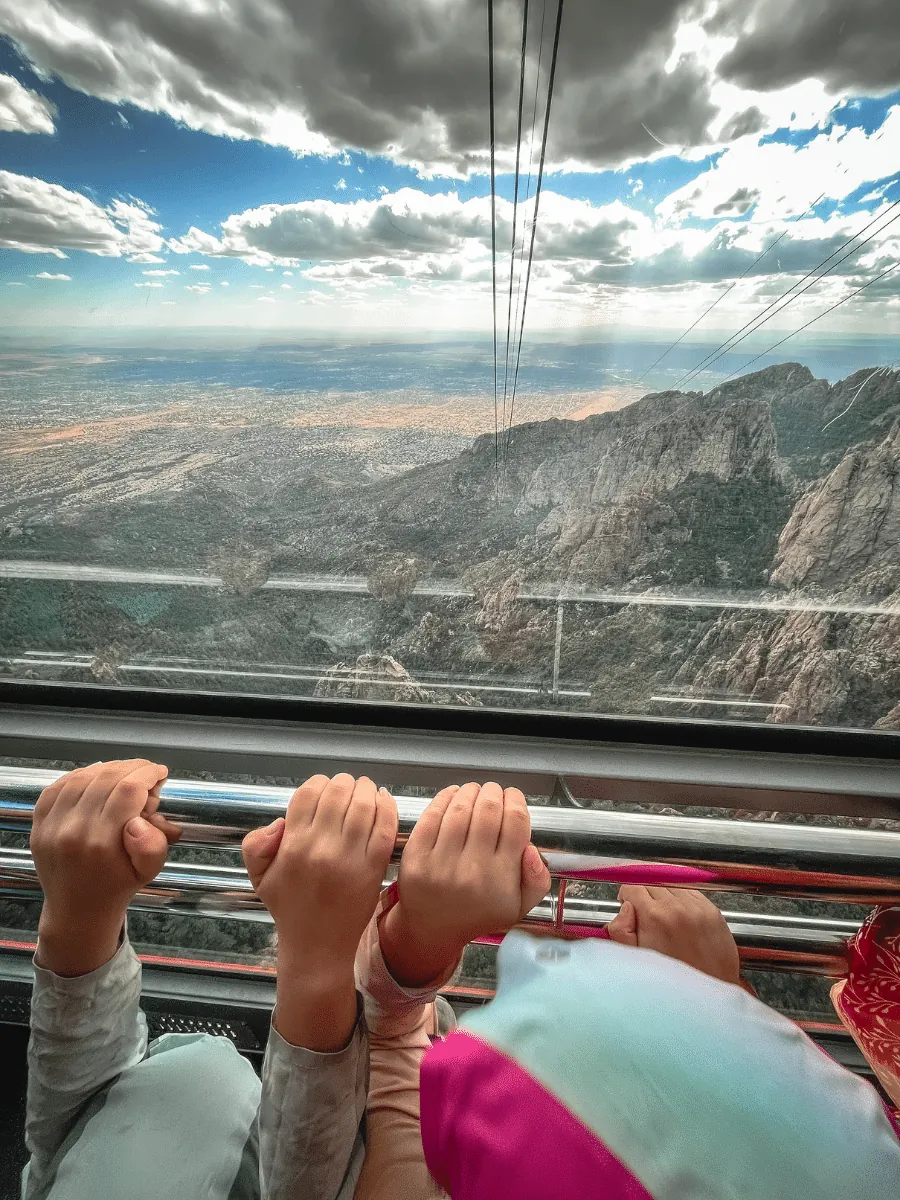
[309, 387]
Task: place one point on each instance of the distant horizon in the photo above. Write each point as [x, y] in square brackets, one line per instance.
[423, 335]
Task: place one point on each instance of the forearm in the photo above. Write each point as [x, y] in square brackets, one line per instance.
[316, 1003]
[85, 1031]
[400, 1020]
[311, 1115]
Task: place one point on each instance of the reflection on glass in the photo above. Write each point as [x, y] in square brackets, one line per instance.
[306, 389]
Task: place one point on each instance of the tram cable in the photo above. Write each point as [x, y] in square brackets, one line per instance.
[537, 202]
[718, 300]
[839, 304]
[790, 295]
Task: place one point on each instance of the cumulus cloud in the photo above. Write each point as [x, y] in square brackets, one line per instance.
[412, 239]
[160, 274]
[199, 267]
[149, 283]
[852, 45]
[780, 179]
[24, 111]
[47, 275]
[408, 78]
[46, 218]
[200, 288]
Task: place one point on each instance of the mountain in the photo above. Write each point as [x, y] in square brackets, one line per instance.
[733, 542]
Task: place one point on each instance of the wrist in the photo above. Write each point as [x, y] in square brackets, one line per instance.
[416, 955]
[72, 946]
[315, 1010]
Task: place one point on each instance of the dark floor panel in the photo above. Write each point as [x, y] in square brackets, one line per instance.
[13, 1043]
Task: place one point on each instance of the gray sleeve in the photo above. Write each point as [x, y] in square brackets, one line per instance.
[84, 1032]
[311, 1119]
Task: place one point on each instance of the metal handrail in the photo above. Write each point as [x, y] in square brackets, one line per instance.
[826, 863]
[805, 945]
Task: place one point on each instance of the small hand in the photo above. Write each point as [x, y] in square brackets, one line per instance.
[468, 870]
[97, 838]
[680, 923]
[319, 871]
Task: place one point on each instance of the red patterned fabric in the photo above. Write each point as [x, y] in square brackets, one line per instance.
[868, 1000]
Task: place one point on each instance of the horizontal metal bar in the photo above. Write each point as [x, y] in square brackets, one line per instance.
[798, 944]
[618, 772]
[358, 585]
[851, 865]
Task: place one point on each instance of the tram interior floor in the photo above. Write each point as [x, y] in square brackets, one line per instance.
[13, 1071]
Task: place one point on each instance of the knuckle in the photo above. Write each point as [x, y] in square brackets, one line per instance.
[130, 789]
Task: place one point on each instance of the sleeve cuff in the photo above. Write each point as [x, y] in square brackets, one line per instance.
[122, 964]
[391, 1010]
[299, 1057]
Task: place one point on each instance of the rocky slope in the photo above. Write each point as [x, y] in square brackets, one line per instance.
[775, 486]
[841, 548]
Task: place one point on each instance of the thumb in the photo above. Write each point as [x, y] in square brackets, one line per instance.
[146, 846]
[623, 927]
[260, 847]
[535, 879]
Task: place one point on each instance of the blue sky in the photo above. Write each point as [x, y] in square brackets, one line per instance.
[125, 203]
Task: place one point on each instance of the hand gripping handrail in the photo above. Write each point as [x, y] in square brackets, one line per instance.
[825, 863]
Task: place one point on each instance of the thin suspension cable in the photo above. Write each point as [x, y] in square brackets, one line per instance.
[796, 295]
[490, 18]
[763, 354]
[512, 251]
[722, 295]
[729, 342]
[537, 203]
[537, 85]
[858, 393]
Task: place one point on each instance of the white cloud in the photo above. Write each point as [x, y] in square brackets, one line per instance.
[223, 283]
[341, 185]
[408, 79]
[150, 283]
[14, 283]
[47, 275]
[286, 287]
[145, 258]
[169, 303]
[287, 272]
[160, 274]
[198, 267]
[778, 179]
[200, 288]
[46, 218]
[24, 111]
[266, 299]
[581, 251]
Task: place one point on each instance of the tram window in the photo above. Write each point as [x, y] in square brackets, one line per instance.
[309, 388]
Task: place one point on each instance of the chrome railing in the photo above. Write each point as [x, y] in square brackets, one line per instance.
[826, 863]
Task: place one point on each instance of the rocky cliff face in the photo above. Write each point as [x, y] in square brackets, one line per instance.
[845, 530]
[590, 501]
[841, 546]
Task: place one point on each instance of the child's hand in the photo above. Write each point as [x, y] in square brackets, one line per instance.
[678, 922]
[468, 870]
[97, 839]
[319, 872]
